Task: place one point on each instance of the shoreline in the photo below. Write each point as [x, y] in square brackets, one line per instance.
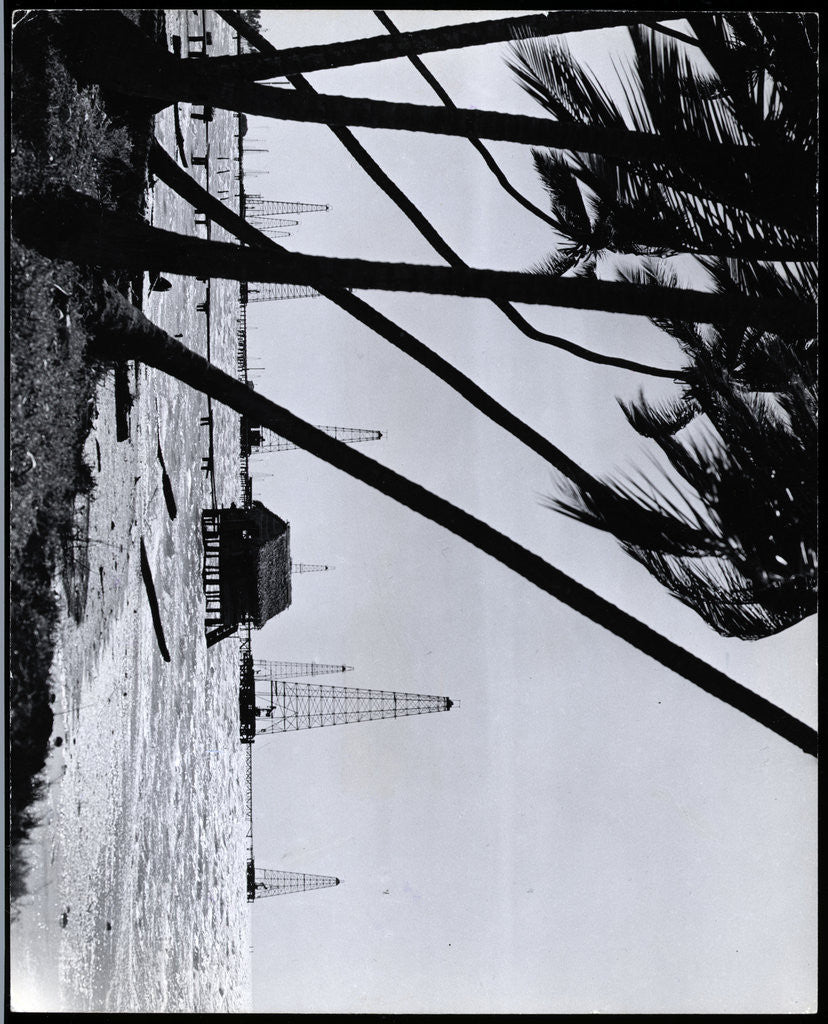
[124, 824]
[35, 933]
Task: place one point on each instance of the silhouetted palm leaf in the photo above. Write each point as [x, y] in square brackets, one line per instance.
[725, 599]
[662, 419]
[665, 207]
[748, 477]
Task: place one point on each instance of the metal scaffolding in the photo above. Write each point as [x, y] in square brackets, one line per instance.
[266, 223]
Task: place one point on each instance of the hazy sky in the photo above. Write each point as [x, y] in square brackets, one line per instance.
[585, 831]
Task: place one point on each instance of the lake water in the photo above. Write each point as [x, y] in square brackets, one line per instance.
[138, 896]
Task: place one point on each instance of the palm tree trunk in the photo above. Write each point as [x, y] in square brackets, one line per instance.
[143, 70]
[721, 245]
[642, 522]
[675, 34]
[168, 171]
[447, 101]
[122, 332]
[299, 59]
[73, 226]
[432, 236]
[637, 147]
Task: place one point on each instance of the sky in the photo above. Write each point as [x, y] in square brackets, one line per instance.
[584, 831]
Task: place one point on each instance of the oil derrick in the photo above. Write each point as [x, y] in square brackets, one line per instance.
[270, 291]
[269, 223]
[294, 669]
[255, 206]
[263, 440]
[276, 229]
[290, 706]
[264, 882]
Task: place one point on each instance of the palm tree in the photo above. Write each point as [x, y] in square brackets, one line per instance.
[746, 477]
[467, 287]
[73, 225]
[603, 204]
[423, 225]
[447, 101]
[121, 331]
[144, 71]
[745, 466]
[91, 235]
[297, 60]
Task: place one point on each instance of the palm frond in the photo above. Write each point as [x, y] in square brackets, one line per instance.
[728, 602]
[548, 72]
[658, 420]
[637, 514]
[749, 490]
[677, 95]
[725, 517]
[556, 264]
[561, 186]
[587, 268]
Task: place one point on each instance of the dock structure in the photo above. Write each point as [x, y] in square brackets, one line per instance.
[246, 572]
[241, 342]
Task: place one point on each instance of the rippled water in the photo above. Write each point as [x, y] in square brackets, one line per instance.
[150, 843]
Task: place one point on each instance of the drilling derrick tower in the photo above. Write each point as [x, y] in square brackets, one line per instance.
[294, 669]
[261, 439]
[264, 882]
[290, 706]
[256, 207]
[278, 223]
[268, 704]
[300, 567]
[270, 291]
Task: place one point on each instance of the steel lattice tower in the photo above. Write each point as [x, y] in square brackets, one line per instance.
[271, 442]
[295, 669]
[276, 883]
[255, 206]
[297, 567]
[266, 223]
[270, 291]
[291, 706]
